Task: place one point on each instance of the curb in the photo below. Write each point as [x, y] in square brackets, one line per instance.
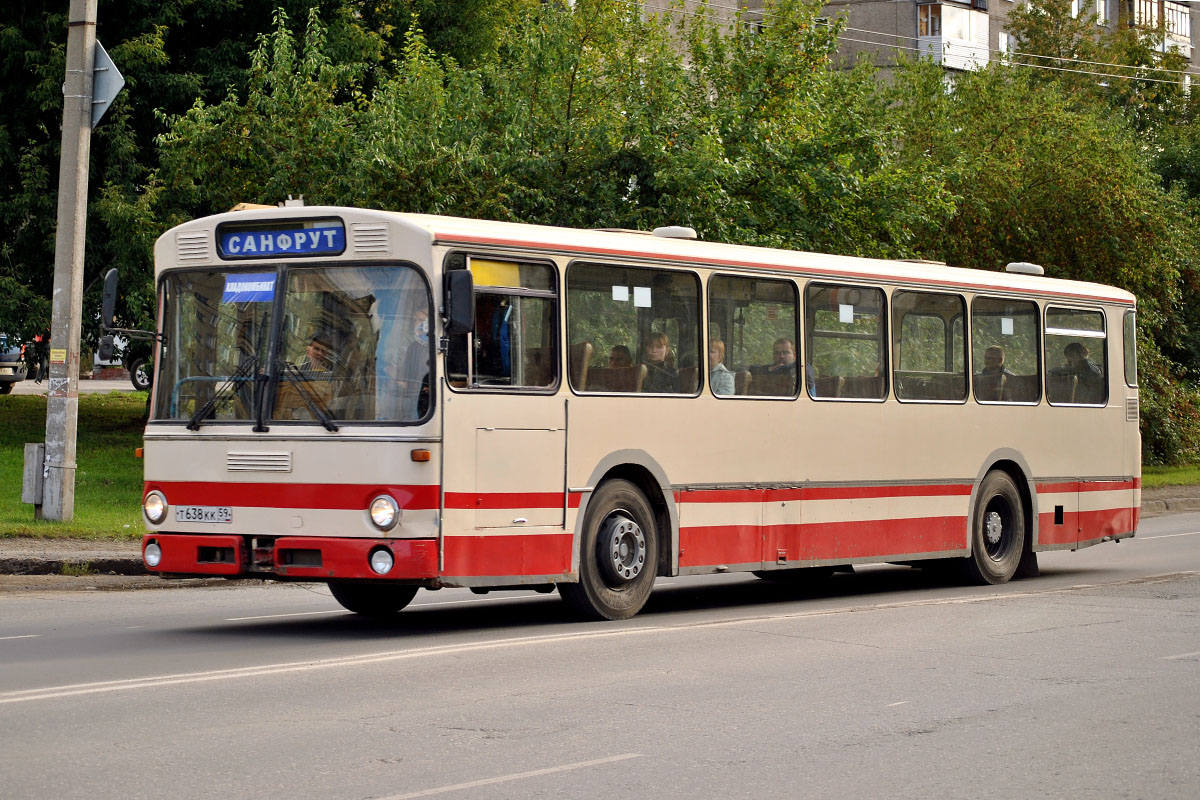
[1154, 508]
[72, 566]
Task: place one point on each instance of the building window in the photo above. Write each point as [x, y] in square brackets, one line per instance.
[1074, 9]
[1007, 43]
[1101, 12]
[929, 20]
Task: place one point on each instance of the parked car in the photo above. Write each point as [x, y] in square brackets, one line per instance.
[140, 363]
[12, 368]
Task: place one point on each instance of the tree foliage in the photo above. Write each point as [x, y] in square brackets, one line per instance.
[597, 114]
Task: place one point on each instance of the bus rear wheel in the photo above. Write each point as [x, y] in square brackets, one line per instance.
[372, 599]
[618, 554]
[997, 531]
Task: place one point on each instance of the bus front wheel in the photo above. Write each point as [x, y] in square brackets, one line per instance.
[618, 554]
[372, 599]
[997, 530]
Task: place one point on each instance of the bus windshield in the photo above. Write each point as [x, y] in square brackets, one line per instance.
[295, 345]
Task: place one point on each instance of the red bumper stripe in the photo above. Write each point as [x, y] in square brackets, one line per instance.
[294, 556]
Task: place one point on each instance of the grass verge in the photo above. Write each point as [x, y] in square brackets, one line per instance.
[1154, 477]
[108, 477]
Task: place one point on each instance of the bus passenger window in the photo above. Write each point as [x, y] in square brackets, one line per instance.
[1004, 350]
[633, 330]
[844, 344]
[514, 340]
[1075, 357]
[928, 348]
[752, 330]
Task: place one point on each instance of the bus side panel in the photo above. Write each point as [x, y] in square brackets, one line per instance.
[720, 527]
[1081, 513]
[515, 557]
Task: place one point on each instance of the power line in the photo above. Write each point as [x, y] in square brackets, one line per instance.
[1029, 55]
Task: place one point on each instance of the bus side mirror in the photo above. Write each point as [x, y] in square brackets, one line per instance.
[104, 351]
[459, 302]
[110, 301]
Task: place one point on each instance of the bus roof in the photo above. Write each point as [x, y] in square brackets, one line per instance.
[625, 245]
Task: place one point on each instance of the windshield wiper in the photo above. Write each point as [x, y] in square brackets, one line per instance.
[310, 398]
[223, 392]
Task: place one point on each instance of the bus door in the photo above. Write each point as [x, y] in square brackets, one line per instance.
[504, 429]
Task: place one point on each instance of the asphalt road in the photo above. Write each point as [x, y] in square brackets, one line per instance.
[1082, 683]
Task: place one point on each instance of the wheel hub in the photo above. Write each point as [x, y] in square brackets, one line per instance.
[993, 528]
[624, 548]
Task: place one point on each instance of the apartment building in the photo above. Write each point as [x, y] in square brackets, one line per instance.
[966, 34]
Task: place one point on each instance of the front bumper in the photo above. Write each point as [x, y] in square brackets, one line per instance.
[290, 557]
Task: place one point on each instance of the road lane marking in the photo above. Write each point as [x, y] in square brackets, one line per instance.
[1182, 655]
[23, 636]
[1170, 535]
[515, 777]
[893, 705]
[151, 682]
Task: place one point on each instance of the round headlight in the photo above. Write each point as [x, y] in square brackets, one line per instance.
[381, 561]
[384, 512]
[153, 555]
[155, 506]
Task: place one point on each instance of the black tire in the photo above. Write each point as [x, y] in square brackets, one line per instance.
[997, 531]
[6, 388]
[372, 599]
[801, 576]
[139, 375]
[618, 554]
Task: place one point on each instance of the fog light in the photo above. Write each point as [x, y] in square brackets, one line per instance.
[384, 512]
[153, 555]
[155, 506]
[381, 561]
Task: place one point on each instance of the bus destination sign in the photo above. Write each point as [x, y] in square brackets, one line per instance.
[322, 241]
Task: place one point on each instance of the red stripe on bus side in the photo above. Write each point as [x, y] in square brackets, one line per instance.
[292, 495]
[866, 492]
[545, 554]
[821, 493]
[743, 544]
[510, 500]
[1089, 486]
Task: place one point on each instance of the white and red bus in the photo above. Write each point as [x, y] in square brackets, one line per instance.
[386, 401]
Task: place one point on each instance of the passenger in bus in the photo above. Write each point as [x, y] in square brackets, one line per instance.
[719, 376]
[318, 355]
[1090, 388]
[991, 380]
[784, 354]
[661, 375]
[620, 356]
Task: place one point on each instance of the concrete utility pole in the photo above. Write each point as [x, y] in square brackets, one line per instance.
[62, 407]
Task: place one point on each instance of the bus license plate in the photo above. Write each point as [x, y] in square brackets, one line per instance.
[203, 514]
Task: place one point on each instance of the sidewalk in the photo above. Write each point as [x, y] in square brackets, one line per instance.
[34, 556]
